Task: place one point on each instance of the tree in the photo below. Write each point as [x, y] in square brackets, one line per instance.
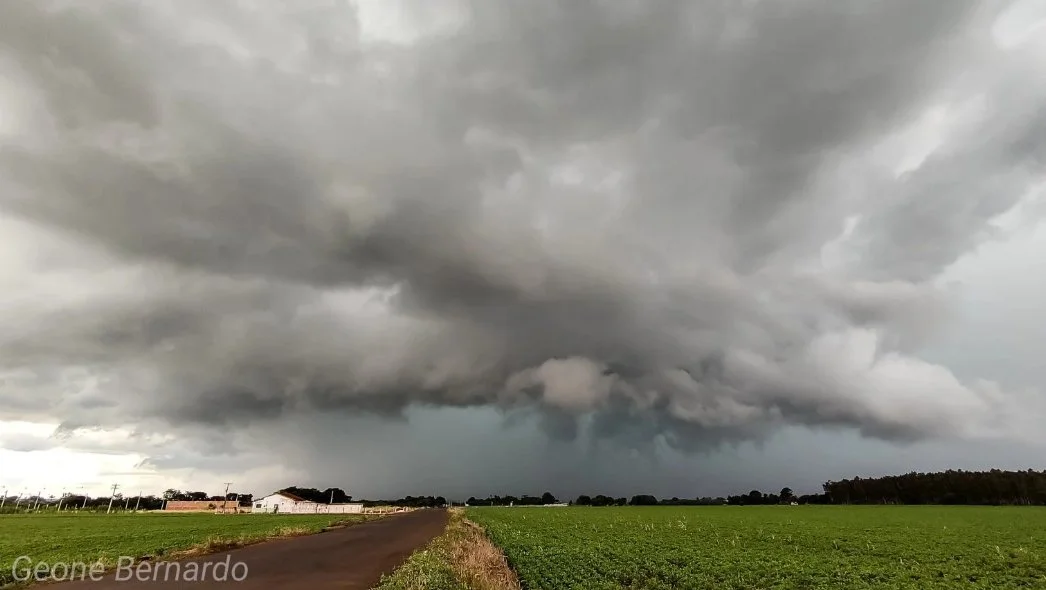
[643, 500]
[548, 498]
[336, 496]
[583, 500]
[787, 495]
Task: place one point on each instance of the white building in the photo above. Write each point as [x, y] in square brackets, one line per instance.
[287, 503]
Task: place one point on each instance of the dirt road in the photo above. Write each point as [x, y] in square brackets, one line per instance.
[353, 558]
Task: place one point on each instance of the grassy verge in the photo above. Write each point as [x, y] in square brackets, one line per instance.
[89, 538]
[462, 558]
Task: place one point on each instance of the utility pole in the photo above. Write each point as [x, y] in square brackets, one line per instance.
[84, 507]
[3, 499]
[332, 496]
[138, 501]
[111, 496]
[36, 503]
[225, 498]
[60, 500]
[126, 501]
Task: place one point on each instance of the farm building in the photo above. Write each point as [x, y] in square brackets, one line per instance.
[287, 503]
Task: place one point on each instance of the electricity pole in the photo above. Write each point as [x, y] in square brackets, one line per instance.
[3, 499]
[138, 501]
[111, 496]
[84, 507]
[36, 503]
[225, 498]
[60, 500]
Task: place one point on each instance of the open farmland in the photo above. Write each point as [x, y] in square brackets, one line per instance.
[90, 537]
[780, 547]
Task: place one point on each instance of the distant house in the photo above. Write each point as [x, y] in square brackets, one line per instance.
[288, 503]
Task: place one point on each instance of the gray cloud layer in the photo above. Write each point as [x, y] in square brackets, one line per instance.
[219, 214]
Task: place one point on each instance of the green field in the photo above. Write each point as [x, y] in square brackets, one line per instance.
[89, 537]
[794, 547]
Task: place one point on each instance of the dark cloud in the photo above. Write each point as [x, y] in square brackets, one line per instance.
[614, 215]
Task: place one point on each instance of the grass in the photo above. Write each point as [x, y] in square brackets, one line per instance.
[771, 547]
[462, 558]
[89, 537]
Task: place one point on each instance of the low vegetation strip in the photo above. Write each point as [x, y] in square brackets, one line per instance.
[462, 558]
[87, 538]
[781, 547]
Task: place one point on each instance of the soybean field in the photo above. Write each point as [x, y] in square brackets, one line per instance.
[779, 547]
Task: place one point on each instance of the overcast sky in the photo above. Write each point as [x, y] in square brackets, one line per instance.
[460, 247]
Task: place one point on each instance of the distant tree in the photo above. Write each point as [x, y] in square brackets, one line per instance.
[643, 500]
[197, 496]
[548, 498]
[172, 494]
[336, 496]
[786, 494]
[583, 500]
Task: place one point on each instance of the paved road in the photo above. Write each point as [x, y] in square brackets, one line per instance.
[353, 558]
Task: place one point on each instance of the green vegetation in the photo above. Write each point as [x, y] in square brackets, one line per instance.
[90, 537]
[780, 547]
[462, 558]
[426, 569]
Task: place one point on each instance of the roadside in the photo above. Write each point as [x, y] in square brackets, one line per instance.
[462, 558]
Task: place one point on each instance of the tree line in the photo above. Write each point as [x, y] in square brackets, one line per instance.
[994, 487]
[524, 500]
[752, 498]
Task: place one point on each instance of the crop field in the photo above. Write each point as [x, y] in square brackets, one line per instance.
[90, 537]
[780, 547]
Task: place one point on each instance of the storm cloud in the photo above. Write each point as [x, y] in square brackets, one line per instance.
[691, 222]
